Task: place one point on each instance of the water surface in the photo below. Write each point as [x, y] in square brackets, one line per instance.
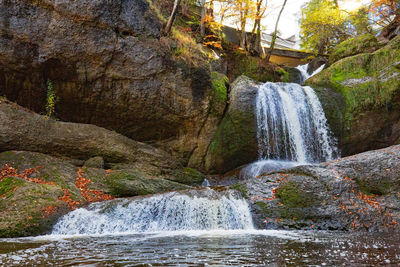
[201, 248]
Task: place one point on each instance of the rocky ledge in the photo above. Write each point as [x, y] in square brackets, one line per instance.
[360, 192]
[48, 168]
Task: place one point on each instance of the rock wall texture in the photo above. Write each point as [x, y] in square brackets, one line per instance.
[235, 142]
[108, 65]
[362, 98]
[361, 192]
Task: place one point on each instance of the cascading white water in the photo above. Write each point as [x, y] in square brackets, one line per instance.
[192, 210]
[292, 124]
[291, 127]
[304, 72]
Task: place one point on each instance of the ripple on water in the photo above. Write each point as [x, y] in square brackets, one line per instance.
[194, 248]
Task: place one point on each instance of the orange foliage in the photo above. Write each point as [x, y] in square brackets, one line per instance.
[67, 198]
[48, 211]
[89, 195]
[8, 171]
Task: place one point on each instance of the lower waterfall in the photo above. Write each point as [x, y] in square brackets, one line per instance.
[292, 124]
[204, 209]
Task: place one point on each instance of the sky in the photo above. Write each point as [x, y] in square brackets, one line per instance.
[289, 23]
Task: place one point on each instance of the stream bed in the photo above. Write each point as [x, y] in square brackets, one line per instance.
[202, 248]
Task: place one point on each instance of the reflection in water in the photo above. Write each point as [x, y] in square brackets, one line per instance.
[198, 248]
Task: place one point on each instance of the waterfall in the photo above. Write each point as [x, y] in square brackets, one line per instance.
[304, 72]
[291, 128]
[292, 124]
[204, 209]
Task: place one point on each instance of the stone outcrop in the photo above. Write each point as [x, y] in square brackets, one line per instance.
[31, 207]
[21, 129]
[366, 114]
[366, 43]
[235, 142]
[108, 65]
[361, 192]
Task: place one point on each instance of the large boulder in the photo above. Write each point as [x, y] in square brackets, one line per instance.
[107, 65]
[369, 86]
[235, 142]
[43, 188]
[361, 192]
[21, 129]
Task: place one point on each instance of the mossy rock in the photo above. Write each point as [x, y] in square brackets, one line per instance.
[51, 169]
[292, 196]
[235, 142]
[23, 207]
[369, 84]
[241, 188]
[128, 183]
[255, 68]
[186, 176]
[95, 162]
[366, 43]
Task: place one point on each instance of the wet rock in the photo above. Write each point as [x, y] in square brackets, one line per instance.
[315, 64]
[361, 192]
[368, 84]
[127, 183]
[235, 142]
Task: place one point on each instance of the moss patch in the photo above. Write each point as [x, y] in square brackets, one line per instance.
[293, 197]
[366, 43]
[367, 82]
[128, 183]
[241, 188]
[186, 176]
[239, 63]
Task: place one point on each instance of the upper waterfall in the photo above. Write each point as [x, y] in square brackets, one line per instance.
[177, 211]
[304, 72]
[292, 124]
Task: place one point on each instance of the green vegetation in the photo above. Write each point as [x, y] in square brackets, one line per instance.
[10, 183]
[325, 24]
[51, 100]
[186, 176]
[292, 196]
[366, 43]
[128, 183]
[242, 188]
[366, 81]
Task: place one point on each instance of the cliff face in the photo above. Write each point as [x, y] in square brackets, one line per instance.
[361, 98]
[107, 65]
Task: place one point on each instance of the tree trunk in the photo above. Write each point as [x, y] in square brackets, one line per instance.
[172, 17]
[203, 16]
[391, 30]
[243, 20]
[275, 33]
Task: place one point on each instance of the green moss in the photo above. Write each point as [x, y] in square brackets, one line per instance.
[366, 81]
[377, 187]
[253, 67]
[9, 183]
[366, 43]
[242, 188]
[187, 176]
[220, 83]
[284, 75]
[127, 183]
[231, 145]
[293, 197]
